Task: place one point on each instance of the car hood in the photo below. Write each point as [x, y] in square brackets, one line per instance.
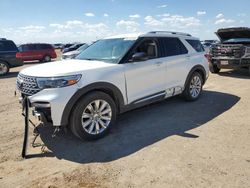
[75, 52]
[230, 33]
[64, 68]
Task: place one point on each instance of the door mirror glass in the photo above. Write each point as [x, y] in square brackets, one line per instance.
[140, 56]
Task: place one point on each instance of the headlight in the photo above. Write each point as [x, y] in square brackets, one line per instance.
[57, 82]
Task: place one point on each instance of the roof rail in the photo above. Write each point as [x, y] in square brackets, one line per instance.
[170, 32]
[3, 39]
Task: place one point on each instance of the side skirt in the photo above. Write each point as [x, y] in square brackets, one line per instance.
[153, 98]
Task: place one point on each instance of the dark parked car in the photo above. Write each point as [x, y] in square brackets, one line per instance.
[67, 45]
[58, 46]
[234, 50]
[73, 47]
[39, 51]
[8, 57]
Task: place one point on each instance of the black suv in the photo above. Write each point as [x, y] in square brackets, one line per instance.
[8, 57]
[234, 50]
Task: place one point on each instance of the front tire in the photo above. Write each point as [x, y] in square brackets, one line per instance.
[4, 68]
[93, 116]
[214, 69]
[193, 88]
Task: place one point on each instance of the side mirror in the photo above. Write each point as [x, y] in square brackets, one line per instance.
[139, 56]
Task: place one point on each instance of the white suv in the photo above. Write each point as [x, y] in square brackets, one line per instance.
[112, 76]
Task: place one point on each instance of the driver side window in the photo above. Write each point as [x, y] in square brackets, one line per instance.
[149, 47]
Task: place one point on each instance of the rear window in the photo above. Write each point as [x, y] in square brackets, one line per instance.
[171, 47]
[7, 46]
[196, 44]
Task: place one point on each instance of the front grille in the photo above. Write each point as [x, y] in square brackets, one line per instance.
[228, 50]
[27, 85]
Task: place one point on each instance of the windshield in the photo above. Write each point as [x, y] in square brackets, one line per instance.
[238, 40]
[109, 50]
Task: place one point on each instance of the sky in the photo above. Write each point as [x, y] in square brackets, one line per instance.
[63, 21]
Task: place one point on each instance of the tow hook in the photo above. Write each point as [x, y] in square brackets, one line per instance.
[56, 131]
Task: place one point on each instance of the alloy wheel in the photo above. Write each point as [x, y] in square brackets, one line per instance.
[47, 59]
[3, 69]
[195, 86]
[96, 117]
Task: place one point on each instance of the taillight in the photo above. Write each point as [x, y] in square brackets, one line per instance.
[208, 56]
[18, 55]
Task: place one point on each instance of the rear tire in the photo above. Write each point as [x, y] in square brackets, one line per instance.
[47, 58]
[214, 69]
[93, 116]
[4, 68]
[193, 88]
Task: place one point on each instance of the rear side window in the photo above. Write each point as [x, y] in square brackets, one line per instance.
[7, 46]
[171, 47]
[196, 44]
[25, 48]
[44, 46]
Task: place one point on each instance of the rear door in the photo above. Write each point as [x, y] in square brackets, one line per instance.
[8, 52]
[145, 80]
[41, 51]
[175, 56]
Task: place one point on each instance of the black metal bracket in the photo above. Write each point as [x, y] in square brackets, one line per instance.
[27, 122]
[36, 133]
[26, 128]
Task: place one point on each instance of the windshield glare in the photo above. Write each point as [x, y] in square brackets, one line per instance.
[83, 47]
[108, 50]
[238, 40]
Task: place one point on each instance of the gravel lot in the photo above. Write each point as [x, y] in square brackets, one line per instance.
[169, 144]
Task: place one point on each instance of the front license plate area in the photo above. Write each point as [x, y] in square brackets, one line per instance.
[224, 62]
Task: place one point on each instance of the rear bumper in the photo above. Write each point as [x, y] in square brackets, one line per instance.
[230, 63]
[16, 62]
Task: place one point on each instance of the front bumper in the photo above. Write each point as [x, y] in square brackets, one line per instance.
[50, 103]
[231, 63]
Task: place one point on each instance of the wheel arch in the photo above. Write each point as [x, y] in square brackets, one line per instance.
[197, 68]
[105, 87]
[2, 60]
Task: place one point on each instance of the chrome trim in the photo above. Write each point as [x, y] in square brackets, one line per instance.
[27, 84]
[150, 97]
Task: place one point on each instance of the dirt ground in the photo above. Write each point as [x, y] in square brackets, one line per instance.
[169, 144]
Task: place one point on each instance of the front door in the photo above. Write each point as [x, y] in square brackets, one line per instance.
[145, 79]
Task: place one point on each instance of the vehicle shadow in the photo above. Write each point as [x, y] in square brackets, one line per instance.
[140, 128]
[239, 73]
[9, 75]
